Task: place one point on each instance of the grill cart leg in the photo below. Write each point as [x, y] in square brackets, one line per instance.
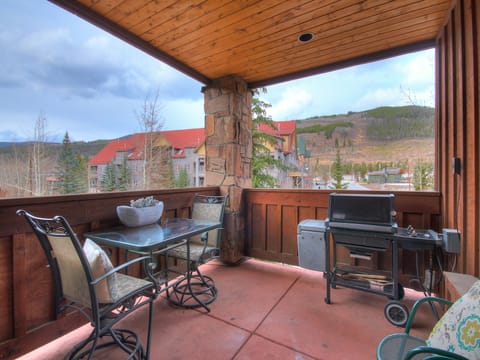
[328, 273]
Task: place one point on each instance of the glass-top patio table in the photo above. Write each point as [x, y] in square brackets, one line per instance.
[157, 239]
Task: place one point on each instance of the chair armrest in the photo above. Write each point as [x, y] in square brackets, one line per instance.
[437, 353]
[119, 267]
[418, 303]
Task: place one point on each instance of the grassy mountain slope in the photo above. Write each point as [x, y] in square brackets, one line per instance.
[382, 134]
[86, 149]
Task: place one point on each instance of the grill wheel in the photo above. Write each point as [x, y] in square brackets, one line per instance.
[396, 313]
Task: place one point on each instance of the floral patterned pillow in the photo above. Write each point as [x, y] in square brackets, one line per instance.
[458, 330]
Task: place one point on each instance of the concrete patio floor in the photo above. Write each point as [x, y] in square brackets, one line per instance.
[263, 311]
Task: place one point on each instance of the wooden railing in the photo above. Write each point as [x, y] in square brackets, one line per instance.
[27, 316]
[272, 217]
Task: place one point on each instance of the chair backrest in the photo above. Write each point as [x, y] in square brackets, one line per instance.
[71, 271]
[207, 207]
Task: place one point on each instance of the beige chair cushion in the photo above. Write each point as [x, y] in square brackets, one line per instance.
[196, 250]
[206, 211]
[74, 280]
[458, 330]
[116, 285]
[107, 289]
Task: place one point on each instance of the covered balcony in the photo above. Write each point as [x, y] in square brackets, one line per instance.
[259, 46]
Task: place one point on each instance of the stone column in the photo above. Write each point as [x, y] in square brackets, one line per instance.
[228, 160]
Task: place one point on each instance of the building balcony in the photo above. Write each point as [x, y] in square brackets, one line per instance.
[252, 308]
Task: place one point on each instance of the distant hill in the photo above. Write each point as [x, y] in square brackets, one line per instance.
[383, 134]
[86, 149]
[2, 144]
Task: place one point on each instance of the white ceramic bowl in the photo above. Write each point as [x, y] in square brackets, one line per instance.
[132, 216]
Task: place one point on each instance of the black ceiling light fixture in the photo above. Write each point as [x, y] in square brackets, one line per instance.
[305, 37]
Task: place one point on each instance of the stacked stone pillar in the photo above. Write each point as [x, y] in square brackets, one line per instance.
[228, 140]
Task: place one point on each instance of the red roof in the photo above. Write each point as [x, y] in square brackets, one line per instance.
[282, 128]
[182, 139]
[187, 138]
[109, 151]
[179, 139]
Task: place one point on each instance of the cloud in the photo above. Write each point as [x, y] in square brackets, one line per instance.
[292, 101]
[419, 68]
[59, 59]
[184, 114]
[397, 81]
[90, 83]
[9, 135]
[86, 81]
[374, 97]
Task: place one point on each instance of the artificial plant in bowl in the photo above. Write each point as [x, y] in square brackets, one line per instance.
[143, 211]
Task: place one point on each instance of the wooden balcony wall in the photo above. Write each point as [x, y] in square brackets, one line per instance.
[27, 316]
[458, 129]
[272, 217]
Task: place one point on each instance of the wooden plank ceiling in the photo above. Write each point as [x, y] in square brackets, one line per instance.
[258, 40]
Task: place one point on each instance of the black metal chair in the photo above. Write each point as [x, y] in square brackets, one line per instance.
[455, 336]
[203, 248]
[85, 280]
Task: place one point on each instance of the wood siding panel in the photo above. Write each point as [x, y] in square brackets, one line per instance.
[458, 118]
[6, 288]
[38, 292]
[258, 227]
[289, 234]
[274, 230]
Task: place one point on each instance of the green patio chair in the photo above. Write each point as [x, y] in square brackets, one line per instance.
[203, 248]
[455, 336]
[85, 280]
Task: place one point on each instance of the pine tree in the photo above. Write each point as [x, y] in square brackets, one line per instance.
[123, 182]
[337, 173]
[109, 181]
[182, 180]
[71, 170]
[262, 160]
[81, 174]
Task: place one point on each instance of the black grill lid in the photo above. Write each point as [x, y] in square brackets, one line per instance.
[369, 212]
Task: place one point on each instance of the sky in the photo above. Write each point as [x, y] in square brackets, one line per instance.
[92, 85]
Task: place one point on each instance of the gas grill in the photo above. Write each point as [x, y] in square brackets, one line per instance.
[365, 225]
